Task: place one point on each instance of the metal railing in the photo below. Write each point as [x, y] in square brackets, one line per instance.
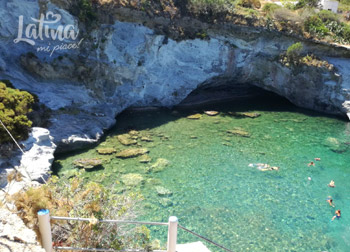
[46, 236]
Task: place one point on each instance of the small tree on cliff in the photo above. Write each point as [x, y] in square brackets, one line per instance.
[293, 52]
[14, 106]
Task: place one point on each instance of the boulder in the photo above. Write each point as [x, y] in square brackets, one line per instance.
[132, 152]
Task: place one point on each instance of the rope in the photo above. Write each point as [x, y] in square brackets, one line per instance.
[3, 125]
[206, 239]
[11, 136]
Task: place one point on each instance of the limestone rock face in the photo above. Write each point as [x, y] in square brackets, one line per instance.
[121, 64]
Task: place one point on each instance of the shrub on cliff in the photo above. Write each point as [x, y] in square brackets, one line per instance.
[294, 51]
[315, 26]
[270, 7]
[75, 197]
[14, 107]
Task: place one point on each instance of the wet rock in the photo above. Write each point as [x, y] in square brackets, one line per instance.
[194, 117]
[162, 191]
[133, 152]
[87, 163]
[126, 139]
[106, 151]
[159, 165]
[238, 132]
[211, 113]
[132, 179]
[145, 159]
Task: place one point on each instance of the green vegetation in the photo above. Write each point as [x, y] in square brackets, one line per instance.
[270, 7]
[14, 107]
[294, 51]
[75, 197]
[328, 23]
[315, 26]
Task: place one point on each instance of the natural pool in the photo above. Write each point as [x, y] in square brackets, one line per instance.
[214, 191]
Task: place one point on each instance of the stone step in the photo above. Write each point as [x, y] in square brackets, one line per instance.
[192, 247]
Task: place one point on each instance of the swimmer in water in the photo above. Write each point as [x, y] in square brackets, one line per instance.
[317, 159]
[330, 201]
[337, 215]
[331, 184]
[311, 163]
[264, 167]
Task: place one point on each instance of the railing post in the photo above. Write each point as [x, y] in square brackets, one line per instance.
[45, 229]
[172, 234]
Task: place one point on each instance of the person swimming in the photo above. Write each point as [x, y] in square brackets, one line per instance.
[337, 215]
[264, 167]
[330, 201]
[311, 163]
[331, 184]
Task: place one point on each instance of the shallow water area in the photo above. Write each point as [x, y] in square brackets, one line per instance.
[206, 181]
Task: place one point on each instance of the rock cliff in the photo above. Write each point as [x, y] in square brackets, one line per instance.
[128, 60]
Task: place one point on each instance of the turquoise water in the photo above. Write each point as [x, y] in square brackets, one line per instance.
[214, 191]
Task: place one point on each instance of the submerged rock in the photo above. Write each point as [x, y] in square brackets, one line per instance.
[162, 191]
[165, 202]
[133, 133]
[238, 132]
[146, 139]
[133, 152]
[211, 113]
[132, 179]
[126, 139]
[159, 165]
[106, 151]
[335, 145]
[145, 159]
[87, 163]
[194, 117]
[245, 114]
